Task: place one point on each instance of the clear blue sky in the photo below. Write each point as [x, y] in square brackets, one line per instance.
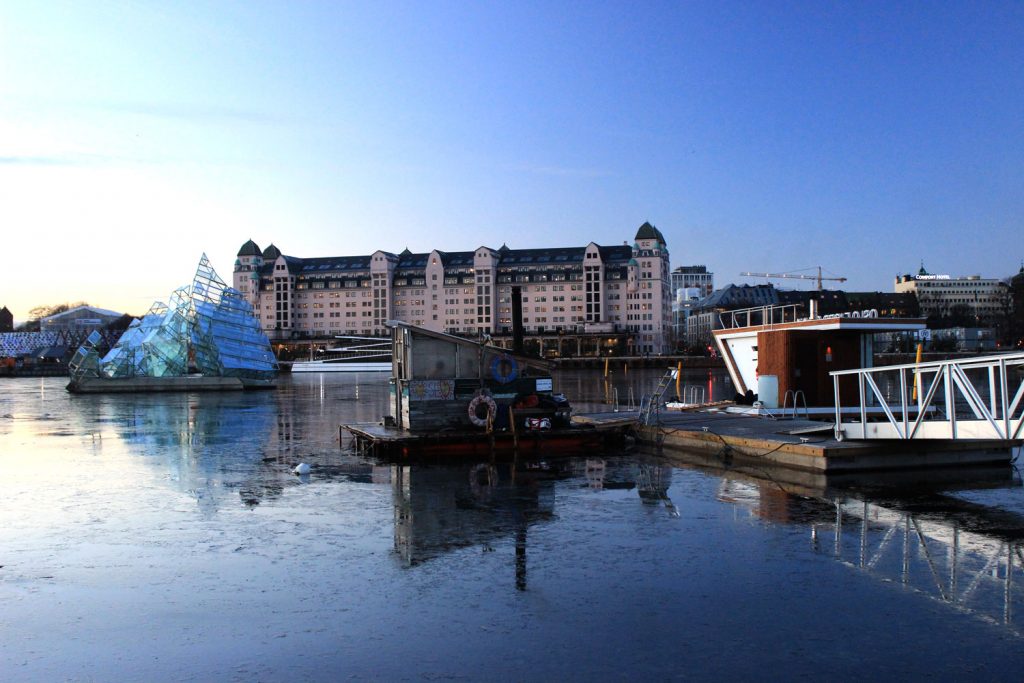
[757, 136]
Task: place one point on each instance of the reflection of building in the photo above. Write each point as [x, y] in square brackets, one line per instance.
[966, 338]
[567, 290]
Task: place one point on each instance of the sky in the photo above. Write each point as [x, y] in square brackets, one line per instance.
[757, 136]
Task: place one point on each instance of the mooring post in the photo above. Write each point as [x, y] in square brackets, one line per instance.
[490, 431]
[515, 432]
[917, 375]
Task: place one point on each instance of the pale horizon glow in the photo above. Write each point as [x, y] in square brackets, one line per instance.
[866, 138]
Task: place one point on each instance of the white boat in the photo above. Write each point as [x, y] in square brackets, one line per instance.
[357, 354]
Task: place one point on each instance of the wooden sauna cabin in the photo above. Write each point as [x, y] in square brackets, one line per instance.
[779, 358]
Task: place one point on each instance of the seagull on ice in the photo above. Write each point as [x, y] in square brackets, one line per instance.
[301, 468]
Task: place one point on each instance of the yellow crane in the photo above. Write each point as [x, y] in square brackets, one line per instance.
[797, 276]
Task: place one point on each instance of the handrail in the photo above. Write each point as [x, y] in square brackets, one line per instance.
[979, 362]
[991, 414]
[767, 315]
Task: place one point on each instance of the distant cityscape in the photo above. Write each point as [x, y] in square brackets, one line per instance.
[584, 300]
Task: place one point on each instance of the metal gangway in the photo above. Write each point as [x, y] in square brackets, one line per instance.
[967, 398]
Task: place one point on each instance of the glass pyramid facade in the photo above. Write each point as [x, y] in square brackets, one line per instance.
[207, 325]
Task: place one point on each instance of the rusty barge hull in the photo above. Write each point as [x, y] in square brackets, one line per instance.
[387, 441]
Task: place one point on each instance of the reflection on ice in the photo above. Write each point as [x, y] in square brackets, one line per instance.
[926, 539]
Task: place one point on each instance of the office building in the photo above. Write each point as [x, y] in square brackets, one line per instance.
[984, 300]
[688, 277]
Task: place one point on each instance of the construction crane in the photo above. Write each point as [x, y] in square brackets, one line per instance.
[797, 276]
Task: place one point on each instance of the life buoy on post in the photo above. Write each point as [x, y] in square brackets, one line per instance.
[474, 410]
[504, 369]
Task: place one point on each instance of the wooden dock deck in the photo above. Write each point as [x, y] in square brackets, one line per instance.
[809, 445]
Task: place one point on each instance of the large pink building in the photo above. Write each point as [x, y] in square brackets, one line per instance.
[622, 288]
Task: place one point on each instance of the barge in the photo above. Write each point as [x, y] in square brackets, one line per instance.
[450, 395]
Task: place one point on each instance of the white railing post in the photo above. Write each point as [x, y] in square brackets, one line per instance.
[992, 391]
[950, 400]
[863, 406]
[839, 414]
[903, 401]
[1003, 389]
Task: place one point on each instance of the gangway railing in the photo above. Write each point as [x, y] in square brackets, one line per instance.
[967, 398]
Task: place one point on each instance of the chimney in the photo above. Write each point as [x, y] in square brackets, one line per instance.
[517, 320]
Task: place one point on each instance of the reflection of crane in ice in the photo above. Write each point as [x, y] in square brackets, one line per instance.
[653, 482]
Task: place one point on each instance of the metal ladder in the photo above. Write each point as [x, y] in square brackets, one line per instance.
[650, 406]
[798, 396]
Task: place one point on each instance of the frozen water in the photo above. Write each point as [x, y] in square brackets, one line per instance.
[167, 538]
